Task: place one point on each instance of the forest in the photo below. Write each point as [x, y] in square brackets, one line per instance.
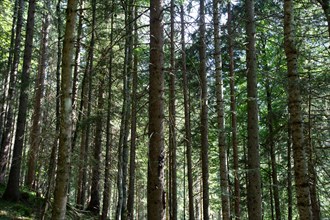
[165, 109]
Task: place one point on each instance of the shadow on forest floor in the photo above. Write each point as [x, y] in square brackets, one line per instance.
[28, 208]
[23, 209]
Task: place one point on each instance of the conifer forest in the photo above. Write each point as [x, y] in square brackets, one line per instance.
[165, 109]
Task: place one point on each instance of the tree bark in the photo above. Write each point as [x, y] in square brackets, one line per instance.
[107, 166]
[188, 139]
[131, 187]
[94, 203]
[63, 163]
[172, 121]
[271, 143]
[224, 184]
[253, 175]
[12, 189]
[234, 142]
[5, 88]
[7, 131]
[204, 111]
[289, 177]
[311, 159]
[52, 160]
[156, 160]
[125, 116]
[39, 95]
[300, 166]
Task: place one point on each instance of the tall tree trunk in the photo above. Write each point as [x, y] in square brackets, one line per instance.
[172, 122]
[156, 160]
[131, 188]
[125, 116]
[204, 112]
[254, 179]
[311, 158]
[289, 177]
[39, 95]
[224, 184]
[237, 196]
[85, 109]
[188, 139]
[5, 83]
[12, 189]
[300, 166]
[52, 160]
[107, 182]
[6, 135]
[271, 143]
[94, 203]
[63, 162]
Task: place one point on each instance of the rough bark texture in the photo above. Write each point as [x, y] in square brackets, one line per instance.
[300, 166]
[52, 159]
[311, 159]
[234, 142]
[253, 173]
[5, 86]
[271, 143]
[63, 163]
[224, 184]
[12, 189]
[156, 160]
[6, 135]
[172, 122]
[107, 182]
[204, 111]
[186, 101]
[125, 116]
[37, 114]
[131, 187]
[289, 177]
[94, 202]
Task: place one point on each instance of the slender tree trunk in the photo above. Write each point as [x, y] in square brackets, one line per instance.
[311, 159]
[204, 112]
[300, 166]
[94, 203]
[289, 177]
[85, 108]
[186, 101]
[172, 121]
[156, 160]
[271, 143]
[52, 160]
[63, 163]
[39, 95]
[131, 188]
[125, 114]
[234, 142]
[107, 182]
[77, 59]
[224, 184]
[12, 189]
[9, 117]
[254, 179]
[5, 81]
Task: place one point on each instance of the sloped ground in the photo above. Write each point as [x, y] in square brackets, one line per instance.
[25, 209]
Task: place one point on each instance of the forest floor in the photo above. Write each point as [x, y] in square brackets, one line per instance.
[28, 208]
[24, 209]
